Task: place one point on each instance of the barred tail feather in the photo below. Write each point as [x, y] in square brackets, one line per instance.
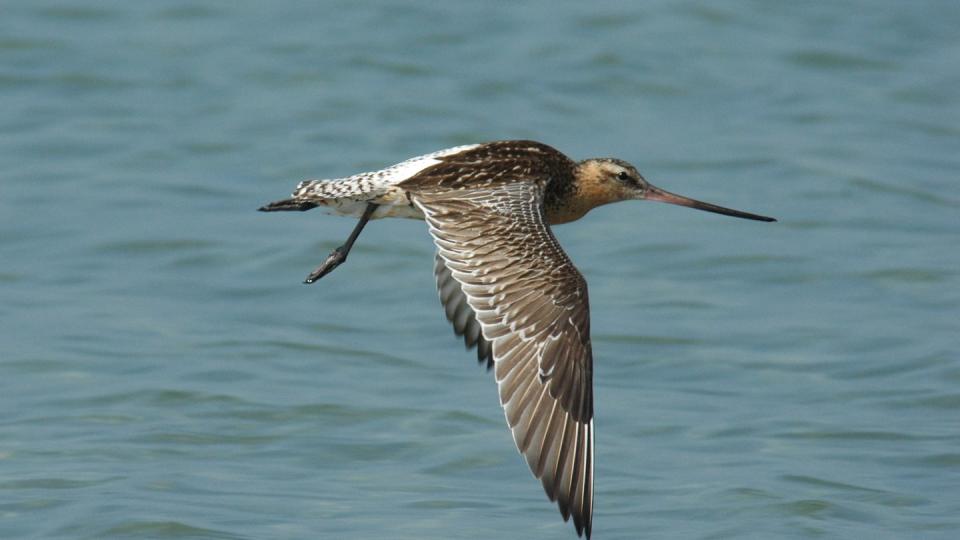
[340, 188]
[288, 205]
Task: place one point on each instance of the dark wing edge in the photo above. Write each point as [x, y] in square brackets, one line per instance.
[533, 312]
[460, 314]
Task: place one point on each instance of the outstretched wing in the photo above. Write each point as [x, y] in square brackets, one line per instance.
[532, 309]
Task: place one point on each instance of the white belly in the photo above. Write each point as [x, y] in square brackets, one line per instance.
[393, 204]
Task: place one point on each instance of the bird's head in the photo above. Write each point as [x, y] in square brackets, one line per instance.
[607, 180]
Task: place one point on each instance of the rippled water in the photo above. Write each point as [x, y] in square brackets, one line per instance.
[164, 374]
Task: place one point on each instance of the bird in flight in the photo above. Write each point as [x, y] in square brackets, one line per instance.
[505, 283]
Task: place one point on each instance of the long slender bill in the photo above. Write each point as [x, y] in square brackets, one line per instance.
[656, 194]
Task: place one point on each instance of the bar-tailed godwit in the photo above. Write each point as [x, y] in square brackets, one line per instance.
[505, 283]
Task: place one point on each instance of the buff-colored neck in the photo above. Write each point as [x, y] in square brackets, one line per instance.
[591, 188]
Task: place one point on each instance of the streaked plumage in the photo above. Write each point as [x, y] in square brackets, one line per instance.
[505, 283]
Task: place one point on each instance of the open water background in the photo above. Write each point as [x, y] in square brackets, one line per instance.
[164, 374]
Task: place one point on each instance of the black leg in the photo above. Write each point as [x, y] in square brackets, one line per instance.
[339, 255]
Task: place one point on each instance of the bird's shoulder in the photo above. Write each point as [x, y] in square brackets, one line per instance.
[493, 163]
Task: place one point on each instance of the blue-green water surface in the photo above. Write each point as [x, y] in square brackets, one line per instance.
[164, 374]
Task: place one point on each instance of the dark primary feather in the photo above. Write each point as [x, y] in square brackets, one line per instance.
[460, 314]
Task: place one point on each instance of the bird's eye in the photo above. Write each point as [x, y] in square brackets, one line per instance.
[623, 175]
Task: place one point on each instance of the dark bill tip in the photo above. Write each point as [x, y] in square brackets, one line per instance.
[657, 194]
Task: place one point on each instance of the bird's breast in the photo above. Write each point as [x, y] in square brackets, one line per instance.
[564, 213]
[576, 202]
